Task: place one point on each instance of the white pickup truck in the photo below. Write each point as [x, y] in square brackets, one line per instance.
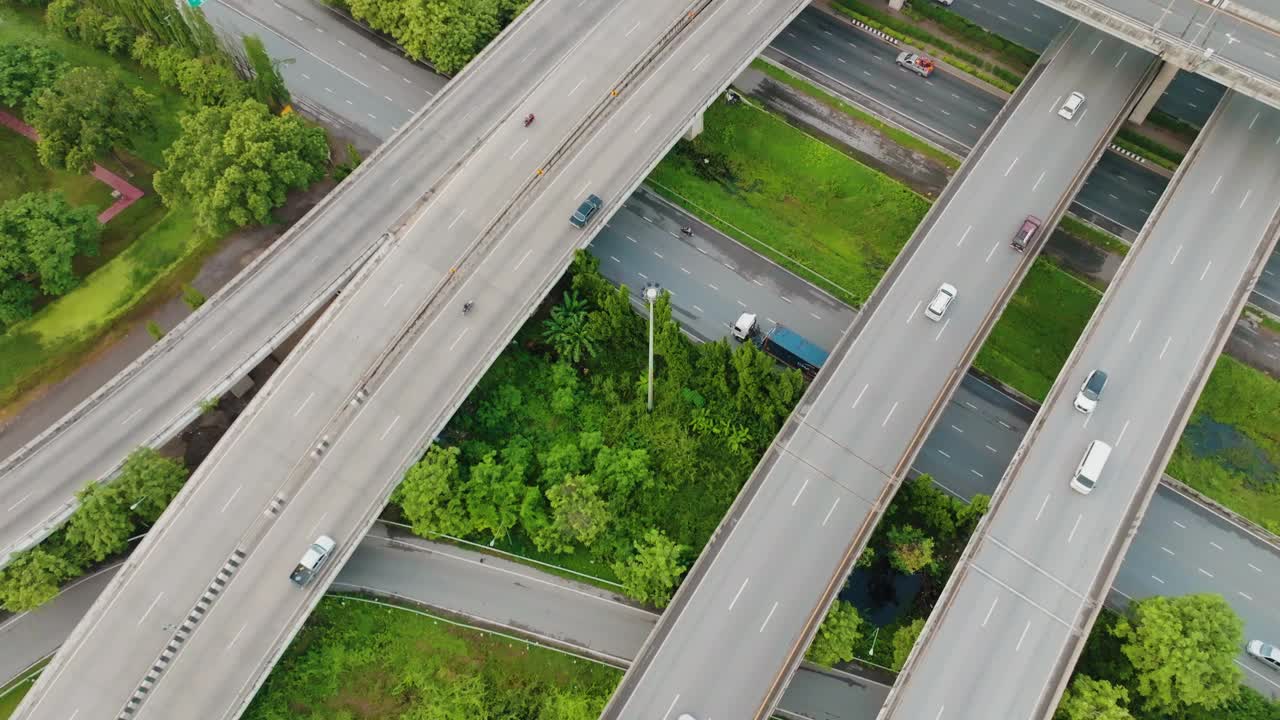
[313, 559]
[916, 63]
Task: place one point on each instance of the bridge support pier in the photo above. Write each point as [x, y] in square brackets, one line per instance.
[695, 128]
[1148, 100]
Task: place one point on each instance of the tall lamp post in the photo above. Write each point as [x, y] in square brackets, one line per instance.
[651, 294]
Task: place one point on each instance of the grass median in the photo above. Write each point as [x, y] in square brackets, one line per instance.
[793, 198]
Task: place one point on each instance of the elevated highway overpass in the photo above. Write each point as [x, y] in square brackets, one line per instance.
[1015, 615]
[160, 393]
[200, 612]
[756, 596]
[1234, 43]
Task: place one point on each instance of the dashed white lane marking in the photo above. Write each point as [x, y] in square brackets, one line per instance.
[1153, 577]
[1166, 550]
[1246, 597]
[1175, 522]
[1205, 572]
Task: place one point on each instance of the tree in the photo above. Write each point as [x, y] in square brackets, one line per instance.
[904, 639]
[840, 631]
[652, 573]
[494, 492]
[267, 85]
[192, 297]
[1182, 650]
[910, 549]
[567, 329]
[578, 514]
[234, 164]
[101, 524]
[448, 33]
[32, 578]
[85, 113]
[430, 497]
[208, 81]
[41, 234]
[148, 481]
[26, 70]
[1089, 699]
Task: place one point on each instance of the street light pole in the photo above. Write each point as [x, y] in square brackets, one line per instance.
[651, 294]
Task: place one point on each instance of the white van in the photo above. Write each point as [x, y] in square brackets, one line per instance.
[1090, 468]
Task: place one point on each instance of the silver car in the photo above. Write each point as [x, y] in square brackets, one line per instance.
[1074, 102]
[1268, 654]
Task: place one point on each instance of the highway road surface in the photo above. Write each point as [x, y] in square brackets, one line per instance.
[750, 604]
[332, 433]
[1026, 594]
[235, 328]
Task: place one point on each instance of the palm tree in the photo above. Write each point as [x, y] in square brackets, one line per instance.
[567, 329]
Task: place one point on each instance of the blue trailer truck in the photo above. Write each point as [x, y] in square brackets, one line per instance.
[784, 344]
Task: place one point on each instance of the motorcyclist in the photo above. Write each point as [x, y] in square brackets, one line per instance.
[528, 120]
[466, 307]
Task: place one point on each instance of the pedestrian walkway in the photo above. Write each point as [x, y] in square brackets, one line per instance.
[128, 194]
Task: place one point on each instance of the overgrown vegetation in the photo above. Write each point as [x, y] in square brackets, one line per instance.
[1164, 658]
[1156, 152]
[1095, 236]
[1231, 448]
[1037, 330]
[793, 198]
[359, 661]
[445, 33]
[899, 137]
[554, 448]
[108, 515]
[41, 235]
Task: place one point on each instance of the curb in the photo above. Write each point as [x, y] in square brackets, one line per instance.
[870, 30]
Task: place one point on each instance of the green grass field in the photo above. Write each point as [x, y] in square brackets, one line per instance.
[358, 661]
[1040, 326]
[12, 693]
[24, 173]
[794, 199]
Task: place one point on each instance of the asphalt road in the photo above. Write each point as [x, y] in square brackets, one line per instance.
[334, 70]
[952, 111]
[339, 396]
[1017, 608]
[1033, 25]
[748, 605]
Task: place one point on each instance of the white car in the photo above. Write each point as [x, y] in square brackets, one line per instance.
[1074, 102]
[1091, 391]
[938, 306]
[1268, 654]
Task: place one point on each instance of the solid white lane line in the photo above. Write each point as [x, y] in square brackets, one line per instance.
[1042, 506]
[388, 430]
[150, 608]
[859, 398]
[227, 504]
[829, 512]
[801, 492]
[459, 338]
[990, 610]
[886, 417]
[237, 636]
[1022, 637]
[1123, 430]
[737, 594]
[768, 617]
[303, 405]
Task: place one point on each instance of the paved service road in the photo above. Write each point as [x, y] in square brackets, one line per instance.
[333, 69]
[950, 111]
[364, 418]
[813, 497]
[1019, 605]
